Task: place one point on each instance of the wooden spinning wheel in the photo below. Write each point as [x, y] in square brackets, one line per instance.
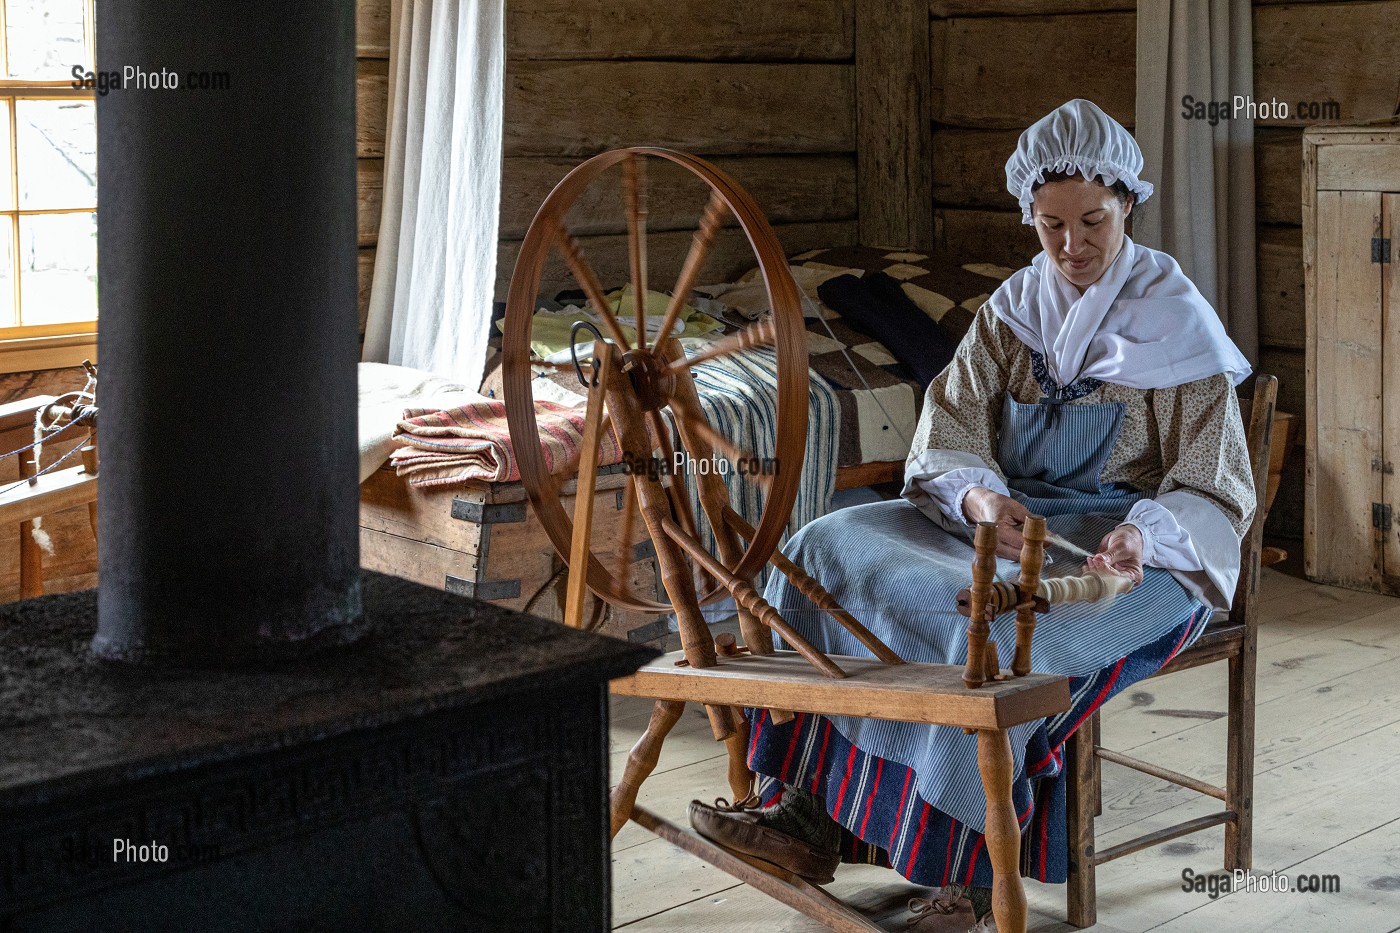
[658, 375]
[635, 385]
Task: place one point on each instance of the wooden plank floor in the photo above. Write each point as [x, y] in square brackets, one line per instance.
[1327, 795]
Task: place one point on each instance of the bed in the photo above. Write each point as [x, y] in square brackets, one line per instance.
[879, 397]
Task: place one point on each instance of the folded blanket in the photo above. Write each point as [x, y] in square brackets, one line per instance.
[385, 391]
[472, 443]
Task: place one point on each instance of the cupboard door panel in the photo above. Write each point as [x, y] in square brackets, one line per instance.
[1349, 389]
[1390, 302]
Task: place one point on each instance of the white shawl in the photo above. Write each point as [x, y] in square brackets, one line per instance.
[1142, 325]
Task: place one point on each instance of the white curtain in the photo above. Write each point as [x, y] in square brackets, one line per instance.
[1203, 209]
[435, 267]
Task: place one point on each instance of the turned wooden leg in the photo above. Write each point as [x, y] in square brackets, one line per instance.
[740, 777]
[984, 572]
[1082, 774]
[1032, 560]
[1003, 833]
[641, 760]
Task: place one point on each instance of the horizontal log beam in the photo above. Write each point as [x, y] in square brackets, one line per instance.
[1308, 53]
[580, 108]
[789, 189]
[1289, 366]
[991, 72]
[369, 192]
[944, 9]
[366, 278]
[685, 30]
[984, 236]
[372, 28]
[730, 257]
[371, 106]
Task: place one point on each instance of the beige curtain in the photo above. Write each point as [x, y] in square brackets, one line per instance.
[435, 266]
[1203, 209]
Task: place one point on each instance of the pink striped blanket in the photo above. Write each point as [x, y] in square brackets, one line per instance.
[472, 443]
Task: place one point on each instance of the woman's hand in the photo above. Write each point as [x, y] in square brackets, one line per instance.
[985, 505]
[1120, 552]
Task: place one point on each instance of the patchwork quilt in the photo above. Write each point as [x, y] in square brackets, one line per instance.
[879, 399]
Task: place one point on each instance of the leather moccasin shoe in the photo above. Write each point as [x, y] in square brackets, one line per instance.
[740, 831]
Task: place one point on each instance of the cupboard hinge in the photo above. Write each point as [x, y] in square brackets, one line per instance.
[1380, 249]
[1380, 516]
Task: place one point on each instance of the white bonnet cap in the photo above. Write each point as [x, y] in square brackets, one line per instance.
[1079, 137]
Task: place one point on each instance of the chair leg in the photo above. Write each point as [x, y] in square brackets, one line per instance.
[1239, 765]
[1096, 737]
[1082, 904]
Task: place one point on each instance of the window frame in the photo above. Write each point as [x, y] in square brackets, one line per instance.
[41, 346]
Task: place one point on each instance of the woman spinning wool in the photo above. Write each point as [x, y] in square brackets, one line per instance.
[1096, 388]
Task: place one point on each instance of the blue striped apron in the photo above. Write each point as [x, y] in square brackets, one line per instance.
[899, 573]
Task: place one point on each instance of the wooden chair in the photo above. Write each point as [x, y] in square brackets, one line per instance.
[38, 494]
[1229, 638]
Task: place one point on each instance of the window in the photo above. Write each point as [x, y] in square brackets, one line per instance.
[48, 184]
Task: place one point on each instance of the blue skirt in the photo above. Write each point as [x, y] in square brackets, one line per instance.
[909, 795]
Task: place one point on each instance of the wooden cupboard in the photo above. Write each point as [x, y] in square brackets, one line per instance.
[1351, 203]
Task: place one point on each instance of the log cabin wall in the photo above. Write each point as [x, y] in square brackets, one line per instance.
[998, 65]
[371, 119]
[765, 90]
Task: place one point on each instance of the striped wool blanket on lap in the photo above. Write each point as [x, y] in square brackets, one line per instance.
[471, 443]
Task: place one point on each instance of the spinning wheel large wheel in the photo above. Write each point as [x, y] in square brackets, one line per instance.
[655, 375]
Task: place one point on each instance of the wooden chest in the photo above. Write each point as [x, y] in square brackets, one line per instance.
[1351, 205]
[483, 540]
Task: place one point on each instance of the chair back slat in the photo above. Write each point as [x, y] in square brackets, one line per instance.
[1259, 432]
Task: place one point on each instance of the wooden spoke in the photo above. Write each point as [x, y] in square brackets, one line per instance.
[680, 503]
[817, 593]
[583, 271]
[755, 335]
[746, 596]
[694, 260]
[690, 418]
[634, 182]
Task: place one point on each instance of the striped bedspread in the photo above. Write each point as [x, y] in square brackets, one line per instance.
[739, 394]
